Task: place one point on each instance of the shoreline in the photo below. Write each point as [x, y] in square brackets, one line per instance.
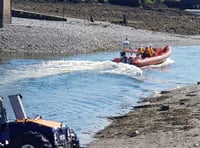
[26, 38]
[159, 26]
[167, 120]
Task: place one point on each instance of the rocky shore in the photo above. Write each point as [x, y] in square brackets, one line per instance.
[159, 18]
[168, 120]
[39, 38]
[25, 37]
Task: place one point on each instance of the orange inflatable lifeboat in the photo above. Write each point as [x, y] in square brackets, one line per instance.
[147, 57]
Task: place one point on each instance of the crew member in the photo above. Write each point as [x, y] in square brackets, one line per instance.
[149, 52]
[126, 43]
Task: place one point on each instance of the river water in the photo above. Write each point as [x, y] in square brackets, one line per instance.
[83, 90]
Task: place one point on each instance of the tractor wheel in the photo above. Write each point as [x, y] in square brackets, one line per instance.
[31, 140]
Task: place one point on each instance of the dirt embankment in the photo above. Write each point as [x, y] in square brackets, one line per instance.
[156, 19]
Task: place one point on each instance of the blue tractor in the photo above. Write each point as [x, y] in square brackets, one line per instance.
[33, 133]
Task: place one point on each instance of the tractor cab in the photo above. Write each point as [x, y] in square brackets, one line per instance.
[35, 133]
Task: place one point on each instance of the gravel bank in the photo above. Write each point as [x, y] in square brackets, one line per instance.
[26, 36]
[157, 18]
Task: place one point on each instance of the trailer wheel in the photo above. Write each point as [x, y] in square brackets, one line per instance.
[31, 140]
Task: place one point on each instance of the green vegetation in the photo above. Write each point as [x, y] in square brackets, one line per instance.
[147, 1]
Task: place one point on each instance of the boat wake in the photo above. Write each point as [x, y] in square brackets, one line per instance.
[124, 69]
[50, 68]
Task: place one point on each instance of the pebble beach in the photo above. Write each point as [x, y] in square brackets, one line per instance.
[75, 36]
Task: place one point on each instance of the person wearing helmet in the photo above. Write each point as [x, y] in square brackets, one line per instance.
[140, 51]
[149, 52]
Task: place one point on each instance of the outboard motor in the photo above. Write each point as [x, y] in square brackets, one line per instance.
[122, 53]
[130, 60]
[124, 59]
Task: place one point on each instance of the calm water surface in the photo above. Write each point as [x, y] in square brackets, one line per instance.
[83, 90]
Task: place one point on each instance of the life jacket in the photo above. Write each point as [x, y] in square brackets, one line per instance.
[149, 51]
[141, 50]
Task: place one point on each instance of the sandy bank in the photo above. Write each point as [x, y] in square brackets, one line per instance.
[75, 36]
